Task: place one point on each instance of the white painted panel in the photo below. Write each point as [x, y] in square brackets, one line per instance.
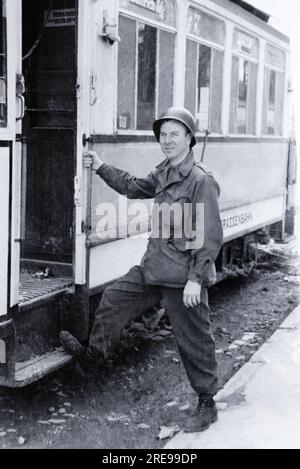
[111, 261]
[15, 228]
[246, 171]
[83, 127]
[251, 217]
[15, 38]
[4, 226]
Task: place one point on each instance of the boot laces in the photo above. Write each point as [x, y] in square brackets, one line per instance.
[203, 405]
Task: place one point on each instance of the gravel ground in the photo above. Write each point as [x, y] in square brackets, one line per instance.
[144, 387]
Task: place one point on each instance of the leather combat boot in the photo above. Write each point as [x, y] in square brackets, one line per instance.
[203, 416]
[71, 345]
[85, 364]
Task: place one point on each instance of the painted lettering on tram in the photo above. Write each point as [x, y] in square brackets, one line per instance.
[159, 7]
[61, 17]
[237, 220]
[148, 4]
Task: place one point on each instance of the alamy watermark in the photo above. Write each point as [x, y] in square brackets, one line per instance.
[179, 221]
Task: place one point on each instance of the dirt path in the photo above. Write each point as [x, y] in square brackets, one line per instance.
[145, 387]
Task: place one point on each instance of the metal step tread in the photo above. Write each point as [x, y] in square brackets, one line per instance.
[34, 369]
[33, 288]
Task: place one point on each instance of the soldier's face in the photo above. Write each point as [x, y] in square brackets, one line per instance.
[174, 140]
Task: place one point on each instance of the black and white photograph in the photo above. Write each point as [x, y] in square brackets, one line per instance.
[149, 227]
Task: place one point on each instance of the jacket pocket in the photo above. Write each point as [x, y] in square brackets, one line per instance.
[164, 264]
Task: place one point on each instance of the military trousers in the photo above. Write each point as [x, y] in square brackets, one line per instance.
[130, 297]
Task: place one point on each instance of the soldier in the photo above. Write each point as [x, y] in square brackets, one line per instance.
[175, 271]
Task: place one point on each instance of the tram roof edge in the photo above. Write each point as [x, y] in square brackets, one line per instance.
[255, 16]
[255, 11]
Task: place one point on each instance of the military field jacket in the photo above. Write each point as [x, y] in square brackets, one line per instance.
[174, 258]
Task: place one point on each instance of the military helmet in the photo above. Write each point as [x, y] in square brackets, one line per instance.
[178, 114]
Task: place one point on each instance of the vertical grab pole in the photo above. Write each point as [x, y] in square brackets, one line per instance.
[87, 224]
[78, 322]
[23, 188]
[204, 145]
[88, 175]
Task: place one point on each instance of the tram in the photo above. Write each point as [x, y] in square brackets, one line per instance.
[79, 75]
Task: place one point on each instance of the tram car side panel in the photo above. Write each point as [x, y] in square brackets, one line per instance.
[252, 177]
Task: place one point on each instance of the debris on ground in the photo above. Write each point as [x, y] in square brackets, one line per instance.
[281, 251]
[57, 421]
[185, 407]
[43, 274]
[143, 426]
[168, 432]
[172, 404]
[21, 441]
[221, 331]
[118, 418]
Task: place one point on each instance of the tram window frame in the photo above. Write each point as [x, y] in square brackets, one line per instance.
[3, 66]
[129, 121]
[273, 104]
[209, 117]
[245, 61]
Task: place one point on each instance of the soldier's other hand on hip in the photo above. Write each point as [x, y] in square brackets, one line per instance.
[192, 294]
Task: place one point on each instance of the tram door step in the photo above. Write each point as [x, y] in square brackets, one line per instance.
[31, 370]
[44, 312]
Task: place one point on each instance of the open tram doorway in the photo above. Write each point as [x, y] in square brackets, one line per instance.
[49, 146]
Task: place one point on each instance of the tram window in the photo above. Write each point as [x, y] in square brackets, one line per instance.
[216, 91]
[204, 86]
[191, 75]
[127, 74]
[166, 67]
[275, 57]
[243, 96]
[3, 66]
[274, 82]
[205, 26]
[203, 93]
[273, 102]
[243, 82]
[245, 44]
[145, 74]
[272, 90]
